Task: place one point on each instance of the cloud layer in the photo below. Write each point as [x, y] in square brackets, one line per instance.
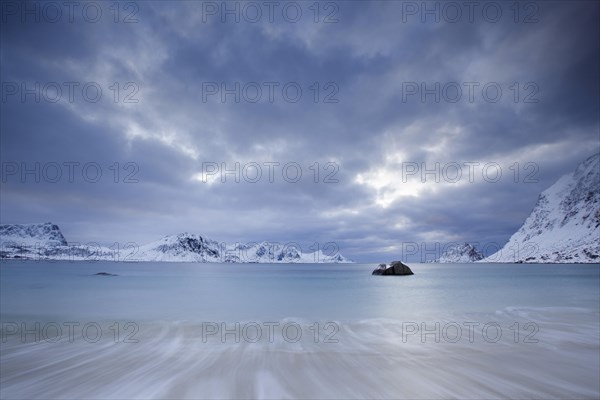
[388, 90]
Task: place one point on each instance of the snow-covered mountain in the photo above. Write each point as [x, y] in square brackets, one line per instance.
[28, 241]
[266, 252]
[460, 253]
[190, 247]
[182, 247]
[46, 234]
[564, 226]
[46, 242]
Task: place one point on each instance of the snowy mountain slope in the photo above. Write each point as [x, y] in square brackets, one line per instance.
[460, 253]
[182, 247]
[27, 241]
[46, 234]
[269, 252]
[189, 247]
[564, 226]
[44, 241]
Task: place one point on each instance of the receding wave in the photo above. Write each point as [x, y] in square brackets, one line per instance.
[517, 352]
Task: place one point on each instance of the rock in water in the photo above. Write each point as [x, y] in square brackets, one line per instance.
[395, 268]
[400, 268]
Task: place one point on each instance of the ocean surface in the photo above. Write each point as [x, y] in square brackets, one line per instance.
[189, 330]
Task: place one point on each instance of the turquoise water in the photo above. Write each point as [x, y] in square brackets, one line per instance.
[197, 292]
[175, 330]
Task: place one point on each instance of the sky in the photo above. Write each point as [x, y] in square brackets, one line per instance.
[377, 126]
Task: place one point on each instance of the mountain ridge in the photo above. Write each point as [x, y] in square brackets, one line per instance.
[45, 241]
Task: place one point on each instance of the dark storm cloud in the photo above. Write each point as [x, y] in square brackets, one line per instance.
[370, 54]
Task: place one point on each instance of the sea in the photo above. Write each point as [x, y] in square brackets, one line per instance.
[313, 331]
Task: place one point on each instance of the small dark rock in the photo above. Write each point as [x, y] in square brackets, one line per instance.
[395, 268]
[105, 274]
